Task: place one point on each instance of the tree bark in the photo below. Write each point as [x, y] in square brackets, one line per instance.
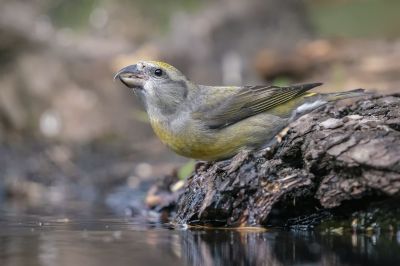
[330, 157]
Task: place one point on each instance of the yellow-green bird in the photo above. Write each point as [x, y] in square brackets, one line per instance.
[214, 123]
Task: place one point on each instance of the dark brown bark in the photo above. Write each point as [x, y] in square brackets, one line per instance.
[334, 155]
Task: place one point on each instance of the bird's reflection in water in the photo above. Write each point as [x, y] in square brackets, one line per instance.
[25, 241]
[222, 247]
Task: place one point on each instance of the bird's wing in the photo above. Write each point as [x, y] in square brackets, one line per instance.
[246, 102]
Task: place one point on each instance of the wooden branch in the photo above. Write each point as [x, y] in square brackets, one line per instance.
[331, 156]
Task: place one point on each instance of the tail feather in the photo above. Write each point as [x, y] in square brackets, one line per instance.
[319, 99]
[344, 95]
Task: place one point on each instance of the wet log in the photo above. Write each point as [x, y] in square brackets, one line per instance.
[329, 158]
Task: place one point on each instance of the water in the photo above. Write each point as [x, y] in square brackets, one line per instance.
[57, 240]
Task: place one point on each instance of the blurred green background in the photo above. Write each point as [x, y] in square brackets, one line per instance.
[69, 134]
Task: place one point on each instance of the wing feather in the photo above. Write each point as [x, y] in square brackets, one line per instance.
[248, 101]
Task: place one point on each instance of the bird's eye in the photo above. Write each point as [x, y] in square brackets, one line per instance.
[158, 72]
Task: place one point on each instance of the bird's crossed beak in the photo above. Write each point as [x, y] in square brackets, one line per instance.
[131, 76]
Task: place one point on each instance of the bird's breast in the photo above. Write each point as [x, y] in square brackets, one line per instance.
[192, 141]
[168, 135]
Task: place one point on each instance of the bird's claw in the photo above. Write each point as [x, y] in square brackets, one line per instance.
[237, 161]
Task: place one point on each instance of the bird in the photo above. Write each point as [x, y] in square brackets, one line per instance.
[214, 123]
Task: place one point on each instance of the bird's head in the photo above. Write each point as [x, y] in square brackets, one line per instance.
[159, 84]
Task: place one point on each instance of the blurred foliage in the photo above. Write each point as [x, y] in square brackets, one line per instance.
[331, 18]
[185, 170]
[356, 18]
[161, 11]
[75, 14]
[282, 81]
[71, 13]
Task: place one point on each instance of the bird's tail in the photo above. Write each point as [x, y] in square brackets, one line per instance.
[315, 100]
[343, 95]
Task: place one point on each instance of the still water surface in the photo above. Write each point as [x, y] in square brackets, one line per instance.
[46, 240]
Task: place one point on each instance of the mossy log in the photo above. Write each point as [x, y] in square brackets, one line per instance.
[336, 155]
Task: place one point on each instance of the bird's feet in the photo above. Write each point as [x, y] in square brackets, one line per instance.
[237, 161]
[269, 149]
[201, 164]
